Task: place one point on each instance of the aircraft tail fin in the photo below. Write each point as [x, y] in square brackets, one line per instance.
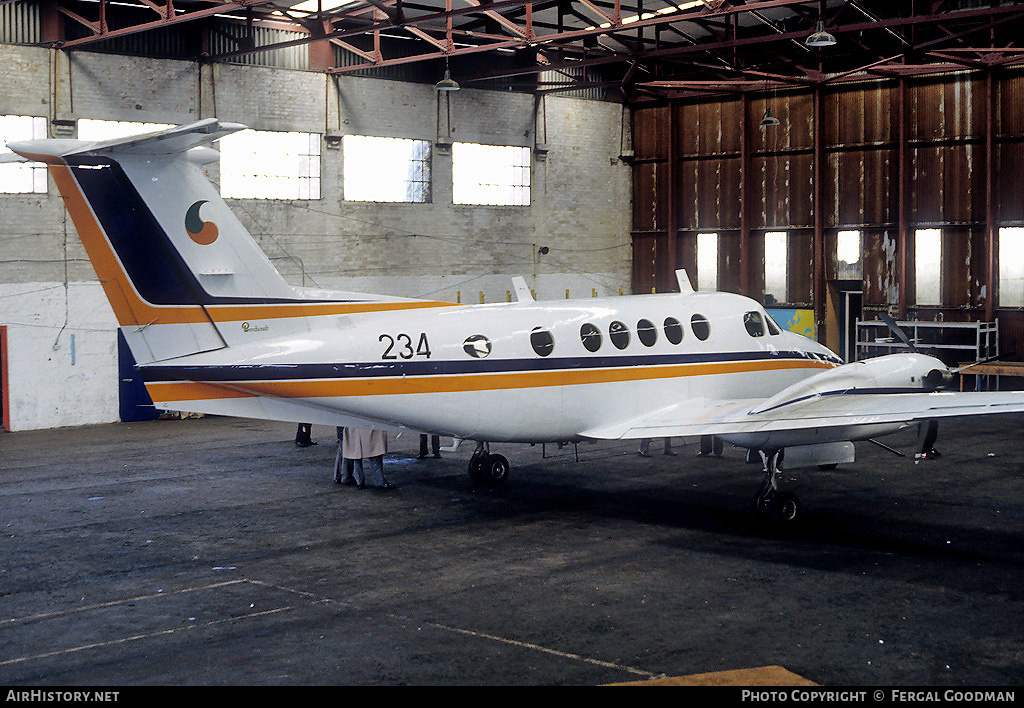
[181, 272]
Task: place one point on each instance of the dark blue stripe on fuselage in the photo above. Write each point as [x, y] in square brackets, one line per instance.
[278, 372]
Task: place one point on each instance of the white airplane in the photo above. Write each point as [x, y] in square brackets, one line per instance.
[215, 329]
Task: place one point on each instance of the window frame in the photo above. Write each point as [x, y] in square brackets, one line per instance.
[358, 176]
[306, 178]
[470, 160]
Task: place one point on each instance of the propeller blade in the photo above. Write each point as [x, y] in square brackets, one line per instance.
[896, 330]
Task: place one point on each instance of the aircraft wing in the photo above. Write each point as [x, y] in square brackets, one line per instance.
[849, 415]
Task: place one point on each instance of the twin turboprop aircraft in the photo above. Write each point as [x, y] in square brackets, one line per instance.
[215, 329]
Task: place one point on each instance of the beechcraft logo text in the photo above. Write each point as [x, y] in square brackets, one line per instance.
[202, 232]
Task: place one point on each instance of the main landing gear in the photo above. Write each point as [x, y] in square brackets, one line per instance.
[485, 468]
[770, 502]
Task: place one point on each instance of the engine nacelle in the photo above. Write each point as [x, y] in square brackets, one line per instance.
[894, 373]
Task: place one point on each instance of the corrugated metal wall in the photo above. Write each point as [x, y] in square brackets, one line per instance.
[879, 174]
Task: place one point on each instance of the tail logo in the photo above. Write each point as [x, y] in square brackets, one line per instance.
[202, 232]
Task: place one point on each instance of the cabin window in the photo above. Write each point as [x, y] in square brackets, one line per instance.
[673, 330]
[647, 332]
[619, 334]
[701, 328]
[754, 324]
[591, 337]
[542, 341]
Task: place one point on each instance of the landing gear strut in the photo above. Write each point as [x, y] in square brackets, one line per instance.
[770, 502]
[485, 468]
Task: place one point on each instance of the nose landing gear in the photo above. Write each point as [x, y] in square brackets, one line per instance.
[770, 502]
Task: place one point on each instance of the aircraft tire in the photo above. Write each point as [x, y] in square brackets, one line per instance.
[786, 507]
[496, 469]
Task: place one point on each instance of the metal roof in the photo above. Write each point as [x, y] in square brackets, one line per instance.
[632, 50]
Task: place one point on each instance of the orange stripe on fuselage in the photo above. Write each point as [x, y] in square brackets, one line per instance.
[453, 383]
[130, 309]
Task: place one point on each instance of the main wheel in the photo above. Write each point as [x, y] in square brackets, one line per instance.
[495, 469]
[786, 507]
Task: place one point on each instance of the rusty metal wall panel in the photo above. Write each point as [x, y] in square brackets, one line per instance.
[650, 133]
[709, 194]
[645, 262]
[860, 115]
[860, 188]
[707, 129]
[948, 106]
[881, 269]
[1010, 105]
[729, 279]
[648, 206]
[781, 191]
[801, 266]
[947, 184]
[1009, 178]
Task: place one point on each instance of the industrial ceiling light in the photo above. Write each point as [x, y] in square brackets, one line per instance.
[820, 38]
[447, 83]
[769, 119]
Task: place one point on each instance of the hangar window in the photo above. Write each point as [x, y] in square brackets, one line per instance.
[701, 328]
[673, 330]
[848, 260]
[928, 262]
[619, 334]
[542, 341]
[754, 324]
[496, 175]
[256, 164]
[1011, 267]
[647, 332]
[386, 169]
[776, 267]
[591, 337]
[707, 262]
[22, 177]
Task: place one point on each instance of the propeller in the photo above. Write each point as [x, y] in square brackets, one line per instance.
[898, 331]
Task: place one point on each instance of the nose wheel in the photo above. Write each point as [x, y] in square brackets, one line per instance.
[771, 502]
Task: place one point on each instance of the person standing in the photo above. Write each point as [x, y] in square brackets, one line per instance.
[645, 446]
[366, 449]
[435, 444]
[344, 468]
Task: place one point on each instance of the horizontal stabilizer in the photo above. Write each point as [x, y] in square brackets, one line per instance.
[171, 141]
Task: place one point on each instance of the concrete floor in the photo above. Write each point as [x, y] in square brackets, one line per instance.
[215, 552]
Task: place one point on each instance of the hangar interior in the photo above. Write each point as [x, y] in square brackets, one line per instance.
[834, 159]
